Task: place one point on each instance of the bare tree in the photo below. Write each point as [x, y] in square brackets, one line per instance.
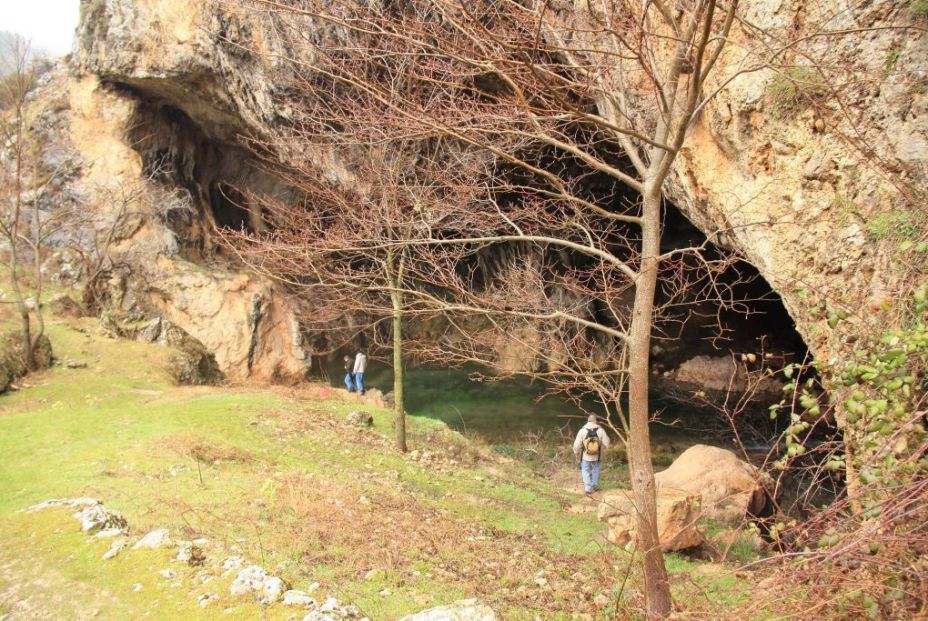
[19, 228]
[346, 249]
[549, 96]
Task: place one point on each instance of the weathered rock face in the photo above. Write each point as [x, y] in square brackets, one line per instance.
[138, 233]
[731, 489]
[813, 196]
[677, 513]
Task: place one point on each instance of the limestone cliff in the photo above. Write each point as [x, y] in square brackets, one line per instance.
[814, 190]
[135, 234]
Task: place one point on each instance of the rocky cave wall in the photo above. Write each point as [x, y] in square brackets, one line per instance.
[150, 227]
[793, 194]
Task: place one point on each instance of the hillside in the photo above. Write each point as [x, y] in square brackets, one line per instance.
[277, 477]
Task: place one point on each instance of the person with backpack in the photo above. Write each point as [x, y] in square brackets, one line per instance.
[349, 374]
[360, 365]
[588, 447]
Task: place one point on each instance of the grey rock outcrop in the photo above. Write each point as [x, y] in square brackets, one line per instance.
[153, 540]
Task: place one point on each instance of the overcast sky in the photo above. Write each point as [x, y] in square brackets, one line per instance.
[49, 24]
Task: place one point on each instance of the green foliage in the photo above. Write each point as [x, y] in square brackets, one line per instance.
[895, 224]
[795, 89]
[918, 8]
[892, 58]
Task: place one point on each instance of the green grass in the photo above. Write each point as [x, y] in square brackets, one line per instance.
[275, 476]
[896, 224]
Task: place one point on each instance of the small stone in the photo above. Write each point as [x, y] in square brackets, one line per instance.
[117, 547]
[206, 599]
[167, 574]
[153, 540]
[542, 582]
[137, 587]
[249, 579]
[298, 598]
[192, 555]
[272, 590]
[232, 563]
[95, 518]
[385, 593]
[359, 419]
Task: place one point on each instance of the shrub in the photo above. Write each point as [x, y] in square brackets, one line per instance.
[795, 89]
[894, 224]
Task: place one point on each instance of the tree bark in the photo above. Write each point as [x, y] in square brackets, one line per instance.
[657, 587]
[399, 406]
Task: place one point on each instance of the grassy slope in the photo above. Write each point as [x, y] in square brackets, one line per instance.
[286, 484]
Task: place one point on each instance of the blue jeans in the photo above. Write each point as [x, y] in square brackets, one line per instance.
[359, 382]
[590, 472]
[349, 382]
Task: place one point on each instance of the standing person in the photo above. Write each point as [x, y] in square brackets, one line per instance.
[349, 373]
[360, 365]
[588, 447]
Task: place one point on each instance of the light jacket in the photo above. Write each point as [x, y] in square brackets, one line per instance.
[360, 363]
[578, 443]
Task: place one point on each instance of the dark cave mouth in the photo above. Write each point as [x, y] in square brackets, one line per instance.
[744, 316]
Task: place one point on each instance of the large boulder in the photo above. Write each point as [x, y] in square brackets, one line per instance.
[677, 513]
[730, 488]
[13, 362]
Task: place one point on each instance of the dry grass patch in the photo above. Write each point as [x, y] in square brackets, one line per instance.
[207, 451]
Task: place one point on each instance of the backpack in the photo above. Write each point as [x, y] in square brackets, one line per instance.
[591, 441]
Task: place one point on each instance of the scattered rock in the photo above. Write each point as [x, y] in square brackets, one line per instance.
[232, 563]
[137, 587]
[465, 610]
[177, 469]
[97, 518]
[254, 579]
[730, 488]
[63, 306]
[192, 555]
[155, 539]
[64, 502]
[12, 361]
[167, 574]
[359, 419]
[206, 599]
[677, 512]
[273, 590]
[109, 533]
[118, 546]
[298, 598]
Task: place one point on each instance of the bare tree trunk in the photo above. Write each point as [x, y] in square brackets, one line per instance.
[394, 270]
[399, 405]
[641, 472]
[13, 238]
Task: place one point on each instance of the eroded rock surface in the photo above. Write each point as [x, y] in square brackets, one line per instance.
[677, 514]
[731, 488]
